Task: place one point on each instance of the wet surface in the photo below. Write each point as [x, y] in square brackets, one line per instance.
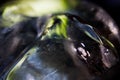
[86, 55]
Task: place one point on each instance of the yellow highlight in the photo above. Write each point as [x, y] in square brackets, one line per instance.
[59, 30]
[10, 75]
[16, 10]
[36, 7]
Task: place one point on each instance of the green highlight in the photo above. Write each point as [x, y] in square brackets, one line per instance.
[16, 11]
[59, 30]
[10, 76]
[95, 39]
[108, 42]
[62, 28]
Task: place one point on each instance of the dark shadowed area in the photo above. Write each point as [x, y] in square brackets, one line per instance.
[16, 39]
[111, 6]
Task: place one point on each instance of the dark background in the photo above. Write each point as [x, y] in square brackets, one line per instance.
[111, 6]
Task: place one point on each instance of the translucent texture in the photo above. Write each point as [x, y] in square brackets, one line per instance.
[66, 50]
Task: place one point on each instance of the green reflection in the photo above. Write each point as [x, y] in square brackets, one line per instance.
[58, 29]
[11, 75]
[15, 11]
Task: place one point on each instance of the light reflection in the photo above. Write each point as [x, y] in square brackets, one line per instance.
[108, 58]
[16, 11]
[35, 7]
[82, 51]
[113, 28]
[83, 44]
[29, 77]
[88, 53]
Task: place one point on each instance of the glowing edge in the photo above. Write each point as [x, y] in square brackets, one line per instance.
[19, 64]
